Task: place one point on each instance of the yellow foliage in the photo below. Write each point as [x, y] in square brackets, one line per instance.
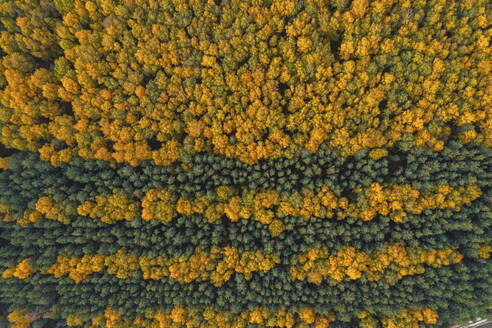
[430, 316]
[21, 271]
[208, 317]
[265, 206]
[75, 320]
[256, 317]
[51, 210]
[157, 204]
[317, 264]
[97, 321]
[183, 206]
[112, 318]
[111, 208]
[178, 314]
[307, 315]
[378, 153]
[406, 318]
[3, 163]
[303, 44]
[76, 268]
[359, 7]
[283, 7]
[218, 266]
[276, 227]
[233, 208]
[484, 251]
[20, 319]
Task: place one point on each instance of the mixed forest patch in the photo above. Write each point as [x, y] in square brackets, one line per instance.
[259, 163]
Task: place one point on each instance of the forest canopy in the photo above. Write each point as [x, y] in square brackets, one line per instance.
[245, 163]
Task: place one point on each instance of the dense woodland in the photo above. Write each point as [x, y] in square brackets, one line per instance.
[245, 163]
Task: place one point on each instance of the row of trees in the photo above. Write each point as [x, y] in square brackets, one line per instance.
[134, 81]
[46, 239]
[29, 179]
[260, 316]
[446, 290]
[266, 206]
[216, 267]
[392, 263]
[208, 317]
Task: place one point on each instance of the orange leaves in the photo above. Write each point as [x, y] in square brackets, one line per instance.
[307, 315]
[51, 210]
[112, 318]
[261, 204]
[256, 261]
[157, 204]
[121, 264]
[167, 154]
[208, 61]
[448, 197]
[484, 251]
[378, 153]
[237, 108]
[70, 85]
[317, 137]
[232, 209]
[217, 266]
[256, 317]
[346, 49]
[187, 270]
[74, 320]
[178, 315]
[445, 256]
[21, 271]
[317, 264]
[285, 318]
[76, 268]
[283, 8]
[429, 316]
[209, 317]
[195, 128]
[20, 318]
[276, 227]
[111, 208]
[359, 7]
[183, 206]
[406, 318]
[265, 206]
[396, 201]
[29, 216]
[303, 44]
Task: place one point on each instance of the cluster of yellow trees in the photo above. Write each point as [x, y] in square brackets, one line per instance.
[110, 208]
[220, 263]
[22, 270]
[217, 266]
[20, 318]
[318, 264]
[265, 206]
[249, 81]
[208, 317]
[406, 318]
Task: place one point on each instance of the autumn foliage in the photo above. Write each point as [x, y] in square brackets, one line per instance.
[245, 163]
[137, 80]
